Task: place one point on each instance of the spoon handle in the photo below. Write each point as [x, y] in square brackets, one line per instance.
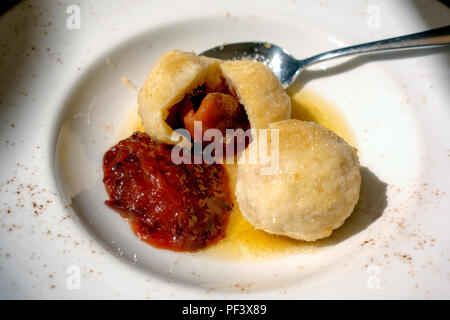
[434, 37]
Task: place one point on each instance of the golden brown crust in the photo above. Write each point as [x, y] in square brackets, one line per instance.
[314, 189]
[259, 90]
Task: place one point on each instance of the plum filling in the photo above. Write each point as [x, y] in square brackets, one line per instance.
[215, 109]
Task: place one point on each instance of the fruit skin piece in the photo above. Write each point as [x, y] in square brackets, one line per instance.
[216, 111]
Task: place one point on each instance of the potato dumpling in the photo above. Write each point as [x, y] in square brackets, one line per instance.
[314, 189]
[179, 83]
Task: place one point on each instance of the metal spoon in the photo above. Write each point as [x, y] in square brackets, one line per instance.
[287, 68]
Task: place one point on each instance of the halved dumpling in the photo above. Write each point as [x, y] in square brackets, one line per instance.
[183, 87]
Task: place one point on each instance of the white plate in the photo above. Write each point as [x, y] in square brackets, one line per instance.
[63, 102]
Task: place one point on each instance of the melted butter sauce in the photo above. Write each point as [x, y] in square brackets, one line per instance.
[243, 242]
[130, 124]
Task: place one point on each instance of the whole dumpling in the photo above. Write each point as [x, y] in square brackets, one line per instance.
[177, 74]
[314, 189]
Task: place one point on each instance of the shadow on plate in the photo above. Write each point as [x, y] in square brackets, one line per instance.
[371, 204]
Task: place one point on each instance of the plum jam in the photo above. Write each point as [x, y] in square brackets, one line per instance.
[180, 207]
